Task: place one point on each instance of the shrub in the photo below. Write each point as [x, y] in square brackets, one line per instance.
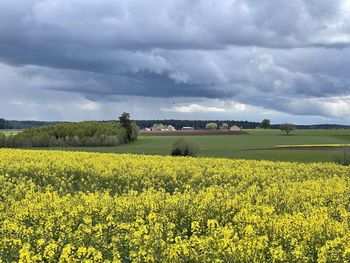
[211, 126]
[184, 147]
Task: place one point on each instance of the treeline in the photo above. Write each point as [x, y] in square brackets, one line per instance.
[5, 124]
[201, 124]
[20, 125]
[83, 134]
[178, 124]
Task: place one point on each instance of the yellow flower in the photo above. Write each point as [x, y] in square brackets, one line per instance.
[89, 207]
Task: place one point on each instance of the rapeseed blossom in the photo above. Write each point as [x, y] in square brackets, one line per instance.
[87, 207]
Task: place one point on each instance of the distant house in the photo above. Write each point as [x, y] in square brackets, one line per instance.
[147, 129]
[235, 128]
[171, 128]
[187, 128]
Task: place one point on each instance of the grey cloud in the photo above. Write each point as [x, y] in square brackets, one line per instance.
[279, 55]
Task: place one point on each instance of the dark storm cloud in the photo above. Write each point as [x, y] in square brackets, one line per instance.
[108, 87]
[279, 55]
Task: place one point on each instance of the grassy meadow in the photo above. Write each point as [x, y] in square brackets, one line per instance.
[252, 146]
[9, 132]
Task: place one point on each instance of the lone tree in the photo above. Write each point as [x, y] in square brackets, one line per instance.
[265, 124]
[126, 124]
[211, 126]
[287, 127]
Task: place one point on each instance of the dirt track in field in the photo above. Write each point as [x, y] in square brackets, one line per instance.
[325, 148]
[191, 133]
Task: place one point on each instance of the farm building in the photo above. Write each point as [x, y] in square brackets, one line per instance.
[162, 127]
[171, 128]
[235, 128]
[187, 128]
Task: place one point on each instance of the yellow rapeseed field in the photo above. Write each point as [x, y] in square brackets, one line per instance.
[87, 207]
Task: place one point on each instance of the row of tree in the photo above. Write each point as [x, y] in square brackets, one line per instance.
[89, 133]
[4, 124]
[177, 124]
[20, 125]
[43, 140]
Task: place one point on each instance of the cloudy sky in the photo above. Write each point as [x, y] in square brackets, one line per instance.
[198, 59]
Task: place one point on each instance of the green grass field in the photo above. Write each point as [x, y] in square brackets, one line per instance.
[9, 132]
[242, 146]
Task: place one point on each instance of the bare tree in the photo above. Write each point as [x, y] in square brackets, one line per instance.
[287, 127]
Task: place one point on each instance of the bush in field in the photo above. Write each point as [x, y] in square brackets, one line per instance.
[342, 157]
[184, 147]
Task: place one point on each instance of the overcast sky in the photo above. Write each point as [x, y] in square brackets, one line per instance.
[197, 59]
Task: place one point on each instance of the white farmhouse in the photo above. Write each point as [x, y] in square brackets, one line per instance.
[235, 128]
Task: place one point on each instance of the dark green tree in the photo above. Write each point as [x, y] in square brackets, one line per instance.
[4, 124]
[265, 124]
[126, 124]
